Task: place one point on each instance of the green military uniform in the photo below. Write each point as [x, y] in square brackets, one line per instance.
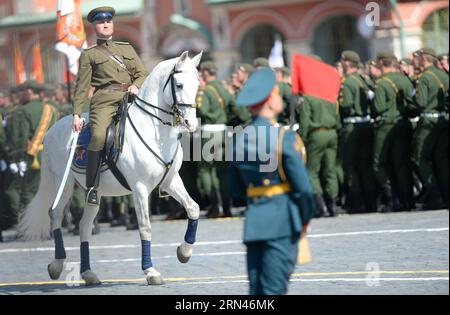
[212, 104]
[11, 179]
[25, 131]
[319, 121]
[286, 95]
[39, 117]
[429, 155]
[216, 109]
[280, 201]
[99, 70]
[357, 140]
[111, 67]
[392, 137]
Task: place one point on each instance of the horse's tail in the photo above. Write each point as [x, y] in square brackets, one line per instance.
[35, 222]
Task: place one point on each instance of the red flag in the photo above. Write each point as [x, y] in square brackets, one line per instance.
[37, 73]
[21, 75]
[313, 77]
[70, 35]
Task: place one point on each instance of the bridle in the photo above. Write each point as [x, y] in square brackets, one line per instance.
[175, 112]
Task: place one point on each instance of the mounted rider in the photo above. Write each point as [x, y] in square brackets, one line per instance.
[113, 68]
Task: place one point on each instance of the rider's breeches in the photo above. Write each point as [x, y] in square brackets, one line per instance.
[104, 105]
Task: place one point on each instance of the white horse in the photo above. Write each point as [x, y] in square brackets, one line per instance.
[166, 108]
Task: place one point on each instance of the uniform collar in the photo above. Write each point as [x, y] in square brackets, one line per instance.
[263, 121]
[107, 41]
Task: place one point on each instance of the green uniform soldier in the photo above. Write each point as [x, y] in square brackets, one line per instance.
[443, 62]
[286, 95]
[113, 68]
[280, 199]
[392, 134]
[429, 155]
[212, 102]
[319, 122]
[357, 137]
[25, 131]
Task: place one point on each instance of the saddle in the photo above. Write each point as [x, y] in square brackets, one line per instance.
[115, 135]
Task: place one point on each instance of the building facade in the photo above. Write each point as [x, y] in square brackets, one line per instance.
[231, 31]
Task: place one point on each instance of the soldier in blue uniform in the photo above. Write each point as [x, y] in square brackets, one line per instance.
[276, 187]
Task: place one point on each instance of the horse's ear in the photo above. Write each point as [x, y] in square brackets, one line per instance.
[183, 58]
[196, 60]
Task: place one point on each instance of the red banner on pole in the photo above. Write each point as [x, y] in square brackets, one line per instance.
[21, 75]
[37, 72]
[70, 35]
[316, 78]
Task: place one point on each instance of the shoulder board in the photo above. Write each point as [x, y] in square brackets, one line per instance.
[90, 47]
[121, 43]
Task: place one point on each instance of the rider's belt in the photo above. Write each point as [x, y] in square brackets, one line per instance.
[121, 87]
[214, 128]
[268, 191]
[433, 115]
[357, 119]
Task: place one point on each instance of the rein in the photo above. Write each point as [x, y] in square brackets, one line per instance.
[176, 113]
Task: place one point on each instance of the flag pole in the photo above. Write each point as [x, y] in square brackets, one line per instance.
[69, 92]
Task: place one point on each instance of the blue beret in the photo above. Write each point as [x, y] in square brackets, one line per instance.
[257, 88]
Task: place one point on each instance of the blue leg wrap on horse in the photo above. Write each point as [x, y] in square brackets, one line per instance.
[146, 254]
[84, 254]
[60, 252]
[191, 231]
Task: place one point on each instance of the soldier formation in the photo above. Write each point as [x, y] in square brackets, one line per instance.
[383, 146]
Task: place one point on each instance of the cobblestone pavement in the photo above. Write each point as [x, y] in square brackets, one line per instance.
[397, 253]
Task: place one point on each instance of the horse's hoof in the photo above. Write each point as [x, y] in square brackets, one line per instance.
[155, 280]
[184, 253]
[55, 269]
[153, 277]
[90, 278]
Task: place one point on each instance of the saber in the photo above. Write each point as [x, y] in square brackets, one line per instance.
[74, 139]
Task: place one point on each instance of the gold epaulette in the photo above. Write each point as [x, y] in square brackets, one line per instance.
[121, 43]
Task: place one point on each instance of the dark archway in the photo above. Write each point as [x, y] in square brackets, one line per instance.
[337, 34]
[436, 31]
[258, 42]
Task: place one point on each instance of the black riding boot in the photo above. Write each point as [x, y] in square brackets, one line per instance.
[92, 177]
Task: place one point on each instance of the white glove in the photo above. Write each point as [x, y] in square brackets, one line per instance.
[413, 93]
[371, 94]
[3, 165]
[22, 168]
[14, 168]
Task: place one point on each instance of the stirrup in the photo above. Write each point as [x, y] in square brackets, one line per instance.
[91, 197]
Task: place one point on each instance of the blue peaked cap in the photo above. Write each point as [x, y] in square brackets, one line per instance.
[257, 88]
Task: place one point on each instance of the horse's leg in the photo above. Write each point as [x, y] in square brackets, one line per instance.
[140, 197]
[55, 268]
[177, 190]
[86, 224]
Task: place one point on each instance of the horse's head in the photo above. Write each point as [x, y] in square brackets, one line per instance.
[180, 90]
